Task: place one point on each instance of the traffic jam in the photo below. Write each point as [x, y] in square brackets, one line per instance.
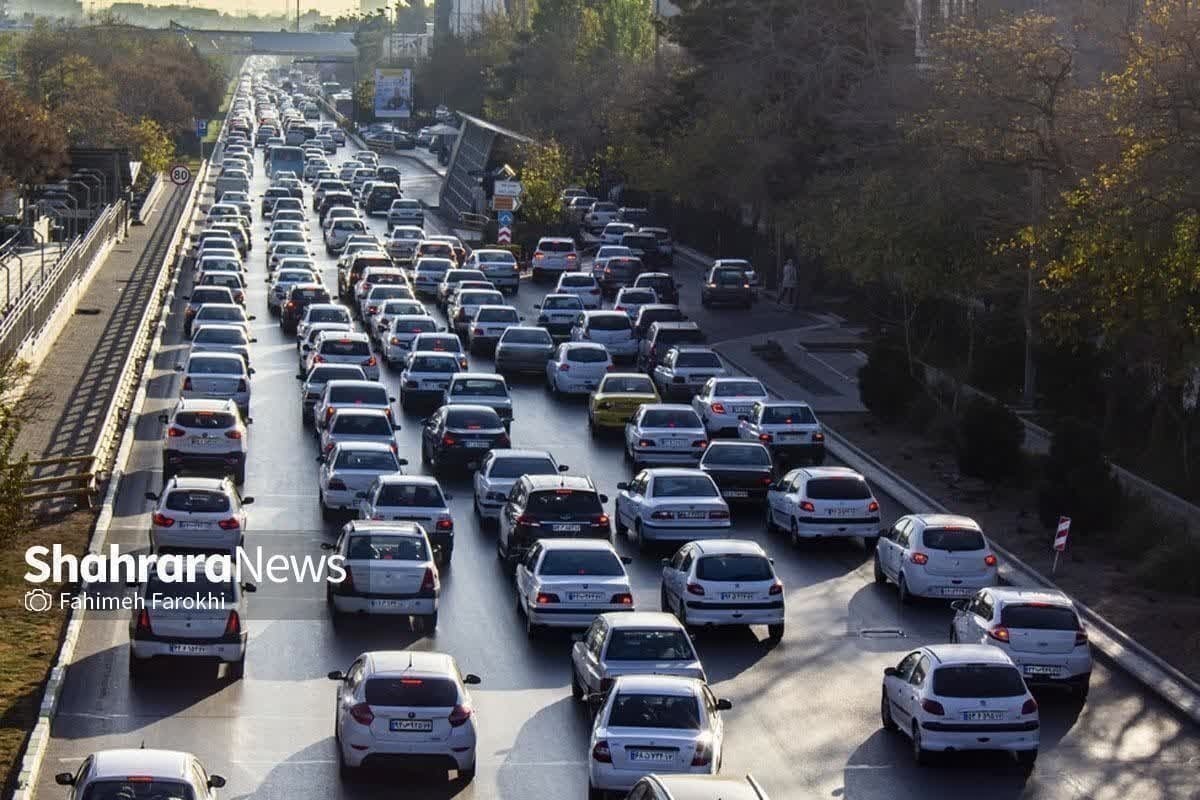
[413, 368]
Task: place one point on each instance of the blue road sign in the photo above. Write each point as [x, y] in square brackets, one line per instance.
[505, 218]
[201, 128]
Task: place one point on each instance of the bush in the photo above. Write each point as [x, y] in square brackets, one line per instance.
[1078, 481]
[884, 384]
[989, 441]
[1172, 561]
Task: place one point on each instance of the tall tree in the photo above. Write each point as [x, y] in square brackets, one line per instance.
[32, 148]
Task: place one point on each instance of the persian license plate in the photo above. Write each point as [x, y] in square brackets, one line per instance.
[1041, 669]
[193, 526]
[955, 591]
[410, 725]
[788, 437]
[692, 514]
[675, 444]
[382, 604]
[204, 441]
[189, 649]
[841, 512]
[741, 409]
[585, 597]
[734, 493]
[575, 528]
[737, 595]
[477, 443]
[983, 716]
[656, 756]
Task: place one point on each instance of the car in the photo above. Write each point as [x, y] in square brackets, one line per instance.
[377, 297]
[617, 399]
[426, 375]
[823, 502]
[396, 331]
[554, 254]
[285, 250]
[577, 368]
[499, 266]
[726, 286]
[488, 325]
[342, 347]
[405, 705]
[440, 342]
[499, 471]
[466, 303]
[630, 300]
[666, 244]
[482, 389]
[402, 241]
[661, 337]
[427, 273]
[609, 328]
[722, 582]
[282, 282]
[603, 254]
[220, 376]
[360, 177]
[312, 384]
[348, 470]
[523, 349]
[404, 211]
[549, 507]
[314, 332]
[935, 555]
[232, 280]
[433, 248]
[557, 313]
[449, 285]
[721, 402]
[664, 434]
[600, 214]
[1039, 629]
[269, 198]
[390, 571]
[340, 230]
[197, 515]
[222, 338]
[789, 429]
[141, 772]
[685, 369]
[955, 697]
[631, 643]
[670, 504]
[350, 394]
[644, 246]
[697, 787]
[567, 583]
[412, 498]
[315, 313]
[461, 251]
[334, 199]
[741, 264]
[202, 436]
[458, 436]
[614, 233]
[357, 425]
[582, 286]
[299, 297]
[654, 723]
[633, 214]
[352, 268]
[577, 207]
[742, 470]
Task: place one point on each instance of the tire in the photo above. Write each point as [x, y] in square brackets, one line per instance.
[795, 532]
[430, 622]
[885, 714]
[664, 601]
[638, 538]
[326, 511]
[593, 431]
[467, 775]
[880, 575]
[596, 794]
[236, 669]
[921, 756]
[902, 588]
[619, 526]
[775, 633]
[345, 771]
[769, 519]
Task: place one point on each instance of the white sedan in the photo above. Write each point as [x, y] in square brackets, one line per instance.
[722, 402]
[351, 469]
[670, 504]
[567, 583]
[577, 367]
[499, 472]
[390, 570]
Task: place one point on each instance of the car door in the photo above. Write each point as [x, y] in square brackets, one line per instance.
[890, 558]
[634, 497]
[594, 646]
[526, 569]
[978, 618]
[715, 724]
[663, 373]
[670, 575]
[679, 579]
[897, 689]
[912, 690]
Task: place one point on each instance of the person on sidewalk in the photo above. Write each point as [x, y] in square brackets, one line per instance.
[789, 287]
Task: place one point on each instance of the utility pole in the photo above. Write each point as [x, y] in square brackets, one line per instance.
[297, 16]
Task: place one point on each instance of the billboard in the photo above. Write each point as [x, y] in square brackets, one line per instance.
[393, 93]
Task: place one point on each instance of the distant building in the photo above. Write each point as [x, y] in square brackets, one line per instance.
[464, 17]
[370, 7]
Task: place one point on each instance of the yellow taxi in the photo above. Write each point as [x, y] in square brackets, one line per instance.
[617, 398]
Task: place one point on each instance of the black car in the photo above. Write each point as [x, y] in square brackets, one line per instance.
[380, 198]
[388, 174]
[742, 470]
[662, 284]
[550, 506]
[619, 271]
[727, 286]
[461, 435]
[655, 312]
[333, 200]
[645, 247]
[300, 297]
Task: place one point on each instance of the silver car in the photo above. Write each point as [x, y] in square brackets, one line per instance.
[631, 643]
[391, 571]
[524, 349]
[350, 470]
[220, 376]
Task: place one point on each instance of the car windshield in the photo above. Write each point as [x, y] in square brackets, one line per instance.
[649, 645]
[587, 355]
[788, 415]
[197, 501]
[328, 315]
[417, 495]
[847, 488]
[526, 336]
[377, 460]
[734, 567]
[375, 395]
[671, 418]
[701, 360]
[517, 466]
[581, 562]
[737, 455]
[433, 364]
[345, 347]
[1039, 616]
[412, 692]
[977, 680]
[565, 501]
[472, 419]
[215, 366]
[221, 336]
[609, 322]
[139, 789]
[953, 540]
[362, 425]
[478, 387]
[560, 303]
[684, 486]
[384, 547]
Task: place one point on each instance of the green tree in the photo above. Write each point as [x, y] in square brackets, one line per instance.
[544, 174]
[32, 149]
[152, 146]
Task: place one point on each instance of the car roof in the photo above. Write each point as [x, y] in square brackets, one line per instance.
[416, 480]
[212, 355]
[605, 312]
[485, 376]
[436, 353]
[585, 346]
[204, 404]
[476, 407]
[381, 526]
[693, 348]
[196, 482]
[523, 453]
[707, 787]
[674, 324]
[766, 403]
[673, 472]
[949, 654]
[344, 334]
[667, 407]
[830, 472]
[641, 619]
[576, 544]
[557, 239]
[659, 684]
[579, 482]
[349, 411]
[409, 661]
[729, 546]
[379, 447]
[360, 383]
[947, 521]
[1013, 594]
[140, 761]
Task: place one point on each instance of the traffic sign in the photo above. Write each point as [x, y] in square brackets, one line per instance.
[201, 128]
[505, 218]
[1061, 533]
[504, 235]
[180, 174]
[503, 203]
[507, 189]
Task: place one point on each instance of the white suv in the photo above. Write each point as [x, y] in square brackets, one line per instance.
[554, 255]
[935, 555]
[204, 435]
[823, 502]
[724, 582]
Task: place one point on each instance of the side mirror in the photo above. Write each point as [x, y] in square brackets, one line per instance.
[563, 468]
[959, 605]
[186, 296]
[252, 317]
[471, 679]
[247, 501]
[253, 340]
[64, 779]
[447, 496]
[328, 546]
[216, 782]
[395, 426]
[251, 370]
[179, 368]
[249, 420]
[299, 377]
[336, 675]
[249, 587]
[537, 305]
[603, 498]
[391, 399]
[623, 486]
[723, 704]
[360, 495]
[890, 672]
[595, 702]
[152, 497]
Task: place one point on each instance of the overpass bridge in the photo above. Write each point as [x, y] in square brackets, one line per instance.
[271, 43]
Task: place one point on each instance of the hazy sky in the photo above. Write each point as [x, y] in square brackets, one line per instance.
[327, 7]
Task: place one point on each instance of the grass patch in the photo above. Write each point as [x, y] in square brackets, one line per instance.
[29, 641]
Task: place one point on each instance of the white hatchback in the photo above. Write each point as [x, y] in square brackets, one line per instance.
[722, 402]
[665, 434]
[724, 582]
[577, 367]
[389, 570]
[935, 555]
[823, 502]
[567, 583]
[198, 515]
[583, 286]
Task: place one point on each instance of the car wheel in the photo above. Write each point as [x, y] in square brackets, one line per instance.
[953, 635]
[347, 772]
[618, 525]
[467, 775]
[775, 633]
[429, 622]
[236, 669]
[885, 714]
[638, 537]
[596, 794]
[795, 532]
[880, 575]
[239, 475]
[769, 519]
[326, 511]
[905, 595]
[593, 431]
[920, 754]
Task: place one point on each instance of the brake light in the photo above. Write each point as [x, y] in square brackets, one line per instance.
[187, 384]
[291, 304]
[537, 256]
[765, 438]
[919, 558]
[601, 752]
[1081, 637]
[933, 707]
[233, 434]
[622, 599]
[701, 443]
[645, 443]
[174, 432]
[662, 515]
[445, 524]
[999, 633]
[233, 625]
[806, 505]
[529, 521]
[329, 447]
[546, 597]
[143, 621]
[718, 408]
[370, 362]
[718, 515]
[601, 520]
[818, 437]
[776, 588]
[990, 560]
[571, 256]
[163, 521]
[372, 309]
[695, 588]
[459, 714]
[318, 359]
[873, 506]
[230, 524]
[429, 583]
[362, 714]
[478, 332]
[702, 755]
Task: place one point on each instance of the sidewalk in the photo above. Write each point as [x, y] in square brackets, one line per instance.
[77, 379]
[26, 268]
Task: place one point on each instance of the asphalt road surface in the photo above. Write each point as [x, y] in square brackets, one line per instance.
[805, 720]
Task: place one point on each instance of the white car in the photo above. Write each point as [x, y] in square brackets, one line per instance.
[935, 555]
[426, 375]
[566, 583]
[282, 282]
[337, 233]
[217, 376]
[609, 328]
[373, 301]
[554, 254]
[404, 211]
[314, 332]
[284, 250]
[500, 267]
[321, 312]
[466, 303]
[198, 515]
[614, 231]
[577, 368]
[664, 434]
[722, 402]
[389, 571]
[498, 473]
[557, 313]
[823, 502]
[405, 703]
[489, 324]
[481, 389]
[635, 643]
[222, 338]
[204, 435]
[342, 347]
[671, 504]
[789, 429]
[221, 314]
[412, 498]
[683, 370]
[428, 273]
[349, 470]
[952, 697]
[1039, 629]
[582, 286]
[630, 300]
[603, 254]
[724, 582]
[397, 331]
[403, 240]
[659, 724]
[312, 384]
[357, 425]
[134, 773]
[450, 282]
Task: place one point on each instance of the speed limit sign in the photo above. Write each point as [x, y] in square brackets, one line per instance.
[180, 174]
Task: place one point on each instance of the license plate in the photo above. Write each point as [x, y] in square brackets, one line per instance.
[1041, 669]
[387, 604]
[193, 526]
[477, 443]
[189, 649]
[841, 512]
[692, 514]
[737, 595]
[741, 409]
[588, 597]
[566, 528]
[437, 384]
[735, 493]
[788, 437]
[955, 591]
[410, 725]
[651, 755]
[675, 444]
[983, 716]
[204, 441]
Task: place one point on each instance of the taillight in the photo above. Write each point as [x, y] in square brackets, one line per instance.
[718, 408]
[695, 588]
[718, 515]
[477, 332]
[459, 714]
[776, 588]
[933, 707]
[601, 752]
[765, 438]
[702, 755]
[429, 583]
[318, 359]
[163, 521]
[1081, 637]
[618, 308]
[999, 633]
[291, 304]
[449, 441]
[818, 437]
[370, 362]
[806, 505]
[233, 434]
[765, 480]
[645, 443]
[1030, 706]
[990, 560]
[564, 367]
[233, 625]
[174, 432]
[662, 515]
[546, 597]
[919, 558]
[622, 599]
[143, 621]
[372, 309]
[187, 384]
[362, 714]
[701, 443]
[601, 520]
[873, 506]
[230, 524]
[445, 524]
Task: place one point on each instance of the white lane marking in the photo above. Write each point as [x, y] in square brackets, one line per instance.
[828, 366]
[868, 766]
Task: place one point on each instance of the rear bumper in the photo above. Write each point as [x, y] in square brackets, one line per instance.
[614, 779]
[978, 737]
[651, 457]
[384, 606]
[832, 530]
[947, 587]
[688, 533]
[145, 649]
[799, 451]
[204, 461]
[571, 617]
[700, 612]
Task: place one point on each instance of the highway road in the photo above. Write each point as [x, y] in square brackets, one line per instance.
[805, 720]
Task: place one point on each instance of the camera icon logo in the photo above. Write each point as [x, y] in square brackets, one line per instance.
[38, 600]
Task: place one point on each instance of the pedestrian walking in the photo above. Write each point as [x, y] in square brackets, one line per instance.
[789, 287]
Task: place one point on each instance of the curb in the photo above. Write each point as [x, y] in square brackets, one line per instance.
[1178, 690]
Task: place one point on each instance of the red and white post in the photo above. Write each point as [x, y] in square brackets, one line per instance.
[1060, 540]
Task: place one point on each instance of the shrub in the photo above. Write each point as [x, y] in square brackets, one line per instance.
[884, 383]
[989, 441]
[1172, 563]
[1078, 481]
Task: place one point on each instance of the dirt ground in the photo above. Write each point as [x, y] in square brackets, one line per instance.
[1163, 622]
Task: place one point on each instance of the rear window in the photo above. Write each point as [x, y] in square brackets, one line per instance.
[516, 467]
[729, 277]
[197, 501]
[416, 692]
[638, 297]
[499, 257]
[671, 418]
[559, 303]
[479, 387]
[432, 364]
[556, 247]
[328, 315]
[209, 420]
[221, 336]
[737, 456]
[631, 385]
[358, 394]
[444, 250]
[335, 372]
[788, 415]
[362, 425]
[214, 366]
[345, 347]
[649, 645]
[837, 489]
[422, 325]
[978, 680]
[390, 292]
[580, 562]
[604, 207]
[670, 336]
[739, 567]
[309, 295]
[684, 486]
[382, 547]
[414, 309]
[952, 540]
[698, 360]
[497, 315]
[1035, 616]
[578, 281]
[609, 322]
[565, 501]
[472, 419]
[201, 296]
[739, 389]
[366, 459]
[587, 355]
[526, 336]
[415, 495]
